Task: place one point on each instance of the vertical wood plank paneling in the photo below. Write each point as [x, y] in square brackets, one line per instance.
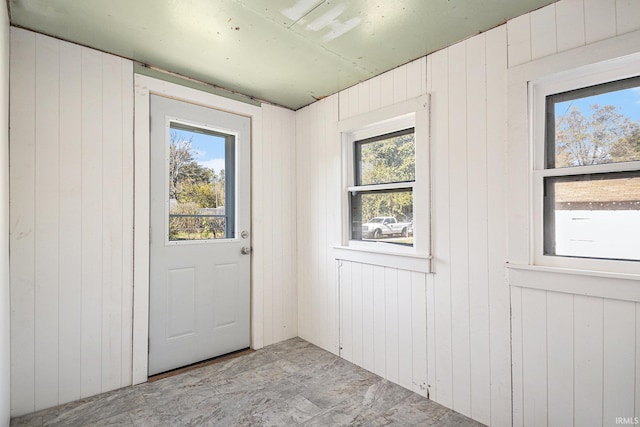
[383, 322]
[126, 254]
[364, 94]
[476, 101]
[302, 217]
[627, 12]
[346, 326]
[46, 221]
[443, 374]
[534, 356]
[368, 316]
[543, 32]
[570, 24]
[320, 301]
[353, 102]
[637, 359]
[91, 352]
[333, 196]
[258, 205]
[599, 20]
[386, 89]
[343, 105]
[405, 330]
[499, 321]
[22, 217]
[619, 360]
[399, 83]
[418, 338]
[391, 324]
[375, 93]
[459, 230]
[416, 78]
[379, 322]
[267, 215]
[517, 356]
[356, 312]
[112, 184]
[519, 40]
[588, 362]
[75, 164]
[278, 208]
[560, 358]
[70, 215]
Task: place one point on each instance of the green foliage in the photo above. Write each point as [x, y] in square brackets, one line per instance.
[193, 227]
[604, 136]
[388, 161]
[190, 182]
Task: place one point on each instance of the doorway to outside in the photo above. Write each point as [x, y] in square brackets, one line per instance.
[199, 269]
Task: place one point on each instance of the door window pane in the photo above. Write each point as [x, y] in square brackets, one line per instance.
[201, 202]
[595, 216]
[386, 159]
[594, 125]
[383, 216]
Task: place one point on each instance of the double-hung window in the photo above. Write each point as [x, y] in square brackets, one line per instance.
[381, 201]
[587, 170]
[386, 180]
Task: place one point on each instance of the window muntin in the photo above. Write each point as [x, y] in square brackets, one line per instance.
[591, 181]
[381, 202]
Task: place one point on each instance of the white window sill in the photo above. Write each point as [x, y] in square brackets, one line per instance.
[410, 261]
[604, 284]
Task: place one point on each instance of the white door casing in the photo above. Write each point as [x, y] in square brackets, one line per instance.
[144, 87]
[199, 275]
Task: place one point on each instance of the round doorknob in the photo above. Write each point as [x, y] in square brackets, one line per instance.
[245, 250]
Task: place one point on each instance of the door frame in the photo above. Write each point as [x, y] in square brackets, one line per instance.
[144, 86]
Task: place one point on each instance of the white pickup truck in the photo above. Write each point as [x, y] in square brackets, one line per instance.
[381, 226]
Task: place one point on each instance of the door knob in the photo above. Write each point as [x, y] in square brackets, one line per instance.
[245, 250]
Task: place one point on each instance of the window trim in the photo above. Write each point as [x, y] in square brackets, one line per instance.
[575, 79]
[413, 113]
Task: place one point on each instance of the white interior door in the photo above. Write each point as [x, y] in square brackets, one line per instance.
[199, 301]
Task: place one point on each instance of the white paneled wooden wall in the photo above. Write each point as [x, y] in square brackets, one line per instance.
[568, 24]
[575, 359]
[5, 402]
[318, 221]
[71, 221]
[467, 299]
[274, 227]
[383, 322]
[574, 356]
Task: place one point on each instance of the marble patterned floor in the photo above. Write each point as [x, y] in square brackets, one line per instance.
[292, 383]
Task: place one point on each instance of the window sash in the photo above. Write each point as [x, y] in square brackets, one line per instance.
[357, 155]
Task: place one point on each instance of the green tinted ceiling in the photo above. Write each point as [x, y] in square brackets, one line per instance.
[288, 52]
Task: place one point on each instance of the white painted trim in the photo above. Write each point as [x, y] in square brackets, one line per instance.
[601, 284]
[144, 86]
[410, 113]
[401, 260]
[603, 61]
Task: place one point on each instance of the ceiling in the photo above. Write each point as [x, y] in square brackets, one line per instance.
[287, 52]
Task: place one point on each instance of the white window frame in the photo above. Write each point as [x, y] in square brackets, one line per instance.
[589, 75]
[413, 113]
